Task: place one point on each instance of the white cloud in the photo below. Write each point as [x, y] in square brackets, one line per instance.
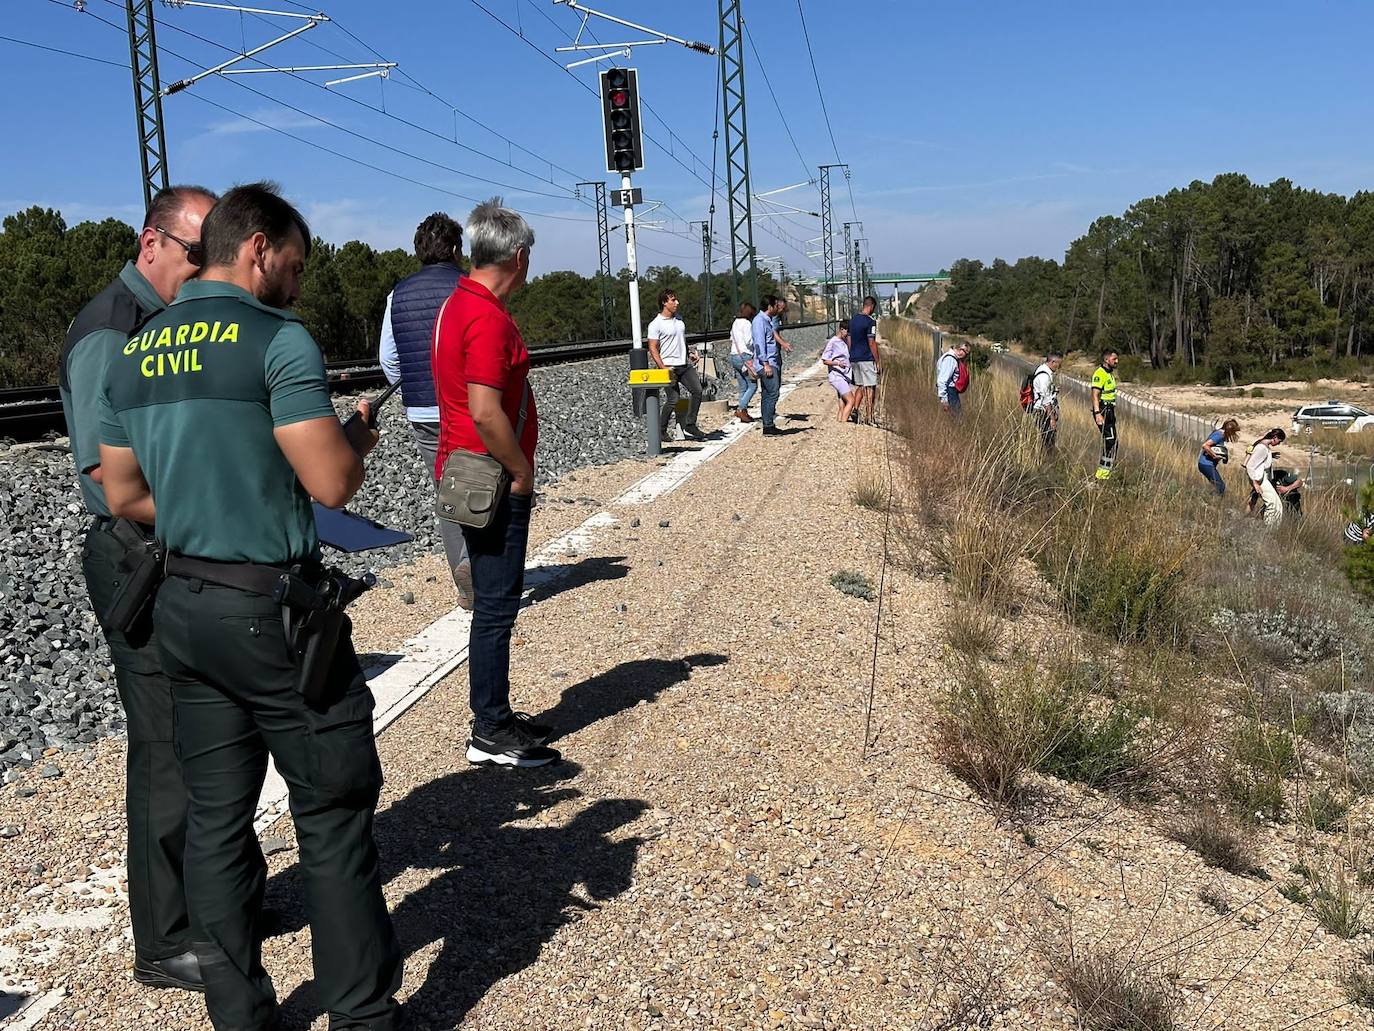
[262, 121]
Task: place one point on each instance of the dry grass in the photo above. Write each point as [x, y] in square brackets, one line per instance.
[1111, 995]
[1218, 839]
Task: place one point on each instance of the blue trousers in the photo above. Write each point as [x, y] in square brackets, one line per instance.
[769, 388]
[497, 554]
[1209, 469]
[747, 386]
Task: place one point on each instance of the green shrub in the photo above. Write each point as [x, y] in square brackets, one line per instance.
[1324, 809]
[1099, 751]
[1132, 595]
[1261, 757]
[992, 731]
[1336, 902]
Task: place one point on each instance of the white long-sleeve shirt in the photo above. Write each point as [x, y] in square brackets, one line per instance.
[945, 373]
[391, 366]
[1042, 389]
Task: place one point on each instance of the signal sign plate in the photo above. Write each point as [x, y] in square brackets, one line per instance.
[650, 377]
[629, 198]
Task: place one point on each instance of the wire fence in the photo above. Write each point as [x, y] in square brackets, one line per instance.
[1319, 470]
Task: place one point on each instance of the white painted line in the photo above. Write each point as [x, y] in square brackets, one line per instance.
[34, 1010]
[442, 646]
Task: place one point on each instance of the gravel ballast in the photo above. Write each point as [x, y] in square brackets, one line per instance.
[57, 690]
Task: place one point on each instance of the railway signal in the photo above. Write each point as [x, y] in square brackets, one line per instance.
[620, 120]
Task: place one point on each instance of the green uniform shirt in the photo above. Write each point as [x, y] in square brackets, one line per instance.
[100, 330]
[197, 394]
[1105, 382]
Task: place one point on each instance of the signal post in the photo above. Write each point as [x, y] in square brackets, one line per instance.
[625, 156]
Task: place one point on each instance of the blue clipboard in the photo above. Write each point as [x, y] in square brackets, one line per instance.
[346, 531]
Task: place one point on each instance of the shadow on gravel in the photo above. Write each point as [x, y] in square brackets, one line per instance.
[556, 579]
[626, 685]
[498, 891]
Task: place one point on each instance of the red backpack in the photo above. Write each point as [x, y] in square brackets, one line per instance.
[961, 377]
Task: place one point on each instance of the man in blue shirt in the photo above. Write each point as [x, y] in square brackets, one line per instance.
[863, 358]
[406, 348]
[768, 360]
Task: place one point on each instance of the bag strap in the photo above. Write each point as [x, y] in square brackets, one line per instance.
[433, 360]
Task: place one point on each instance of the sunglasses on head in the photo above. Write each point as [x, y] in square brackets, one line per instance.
[195, 252]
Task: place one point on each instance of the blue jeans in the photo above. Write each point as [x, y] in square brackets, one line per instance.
[747, 386]
[497, 554]
[1209, 469]
[769, 388]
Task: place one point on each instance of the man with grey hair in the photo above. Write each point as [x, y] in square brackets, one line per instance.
[1045, 399]
[169, 256]
[481, 370]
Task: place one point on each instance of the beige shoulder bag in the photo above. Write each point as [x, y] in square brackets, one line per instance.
[471, 486]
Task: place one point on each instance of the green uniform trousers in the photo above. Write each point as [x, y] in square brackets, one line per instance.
[234, 686]
[154, 796]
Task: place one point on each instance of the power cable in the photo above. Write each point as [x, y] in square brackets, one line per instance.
[816, 75]
[806, 169]
[65, 53]
[381, 111]
[329, 150]
[400, 73]
[648, 136]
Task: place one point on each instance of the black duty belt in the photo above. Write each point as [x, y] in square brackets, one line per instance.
[285, 586]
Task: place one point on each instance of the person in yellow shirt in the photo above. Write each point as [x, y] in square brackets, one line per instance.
[1104, 411]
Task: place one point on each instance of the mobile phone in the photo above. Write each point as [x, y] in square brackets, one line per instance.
[374, 407]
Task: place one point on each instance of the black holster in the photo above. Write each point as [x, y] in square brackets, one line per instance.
[313, 629]
[141, 571]
[312, 601]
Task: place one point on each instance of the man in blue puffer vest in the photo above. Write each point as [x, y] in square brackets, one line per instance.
[407, 343]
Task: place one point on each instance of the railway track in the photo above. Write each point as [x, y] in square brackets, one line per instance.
[27, 413]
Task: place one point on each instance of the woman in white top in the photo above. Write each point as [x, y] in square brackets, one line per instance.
[1257, 468]
[742, 359]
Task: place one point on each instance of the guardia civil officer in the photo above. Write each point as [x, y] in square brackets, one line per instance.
[219, 409]
[154, 796]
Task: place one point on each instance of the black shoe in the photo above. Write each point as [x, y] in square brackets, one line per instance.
[541, 732]
[854, 417]
[181, 971]
[509, 746]
[772, 431]
[694, 434]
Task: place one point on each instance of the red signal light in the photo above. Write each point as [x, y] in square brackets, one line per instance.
[619, 98]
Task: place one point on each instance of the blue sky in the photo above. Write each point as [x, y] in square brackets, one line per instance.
[979, 129]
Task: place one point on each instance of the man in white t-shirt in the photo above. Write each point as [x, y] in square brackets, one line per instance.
[742, 359]
[1257, 468]
[667, 337]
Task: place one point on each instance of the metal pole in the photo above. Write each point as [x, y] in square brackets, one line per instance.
[828, 251]
[603, 247]
[737, 154]
[152, 140]
[651, 398]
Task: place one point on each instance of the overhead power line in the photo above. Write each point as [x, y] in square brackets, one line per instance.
[336, 153]
[569, 191]
[806, 168]
[825, 112]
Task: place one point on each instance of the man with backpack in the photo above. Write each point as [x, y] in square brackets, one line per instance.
[952, 376]
[1040, 397]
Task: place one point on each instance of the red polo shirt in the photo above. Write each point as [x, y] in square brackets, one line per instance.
[477, 341]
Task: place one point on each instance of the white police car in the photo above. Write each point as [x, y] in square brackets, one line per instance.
[1333, 414]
